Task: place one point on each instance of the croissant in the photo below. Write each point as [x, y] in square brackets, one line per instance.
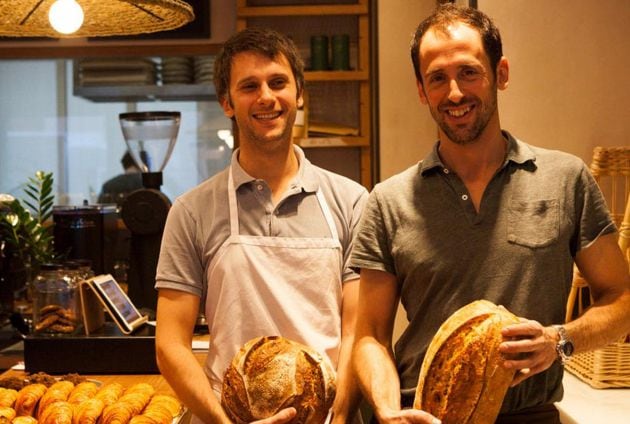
[88, 412]
[171, 403]
[82, 392]
[136, 401]
[64, 386]
[51, 396]
[28, 398]
[141, 388]
[24, 419]
[7, 396]
[117, 413]
[110, 393]
[57, 413]
[158, 413]
[6, 414]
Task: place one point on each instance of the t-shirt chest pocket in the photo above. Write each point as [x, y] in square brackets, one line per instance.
[533, 223]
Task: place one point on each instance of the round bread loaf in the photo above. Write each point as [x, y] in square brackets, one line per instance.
[462, 380]
[272, 373]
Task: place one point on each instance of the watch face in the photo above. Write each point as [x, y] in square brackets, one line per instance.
[567, 348]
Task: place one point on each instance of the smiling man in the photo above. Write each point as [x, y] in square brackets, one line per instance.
[483, 216]
[263, 247]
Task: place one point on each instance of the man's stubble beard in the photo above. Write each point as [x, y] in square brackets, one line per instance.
[472, 134]
[272, 143]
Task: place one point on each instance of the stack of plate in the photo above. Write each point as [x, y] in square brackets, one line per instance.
[204, 69]
[128, 71]
[177, 70]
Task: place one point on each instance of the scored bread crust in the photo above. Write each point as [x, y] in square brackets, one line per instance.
[272, 373]
[462, 379]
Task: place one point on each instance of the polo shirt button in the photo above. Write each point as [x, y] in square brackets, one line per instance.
[446, 171]
[259, 187]
[464, 197]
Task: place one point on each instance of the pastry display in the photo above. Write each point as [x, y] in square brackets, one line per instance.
[86, 402]
[462, 380]
[272, 373]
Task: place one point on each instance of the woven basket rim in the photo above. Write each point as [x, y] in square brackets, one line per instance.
[604, 368]
[29, 18]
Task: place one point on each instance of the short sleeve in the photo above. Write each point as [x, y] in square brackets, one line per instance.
[371, 246]
[177, 268]
[594, 216]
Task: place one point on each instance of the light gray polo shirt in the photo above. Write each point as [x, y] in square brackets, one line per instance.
[198, 222]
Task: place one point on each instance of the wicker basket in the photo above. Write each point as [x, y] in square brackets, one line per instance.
[608, 367]
[603, 368]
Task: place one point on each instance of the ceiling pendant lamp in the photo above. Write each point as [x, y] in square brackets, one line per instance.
[91, 18]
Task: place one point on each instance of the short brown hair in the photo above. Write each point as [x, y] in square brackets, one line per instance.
[449, 13]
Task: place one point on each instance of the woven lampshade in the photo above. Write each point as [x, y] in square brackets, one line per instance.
[29, 18]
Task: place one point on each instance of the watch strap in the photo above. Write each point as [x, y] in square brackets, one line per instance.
[564, 347]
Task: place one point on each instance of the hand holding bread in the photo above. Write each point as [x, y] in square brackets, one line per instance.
[269, 375]
[462, 378]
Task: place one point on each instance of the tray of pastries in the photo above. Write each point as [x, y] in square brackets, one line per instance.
[73, 399]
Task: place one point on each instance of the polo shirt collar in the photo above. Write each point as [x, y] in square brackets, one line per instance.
[517, 152]
[305, 179]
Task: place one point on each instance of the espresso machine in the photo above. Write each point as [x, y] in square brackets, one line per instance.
[150, 138]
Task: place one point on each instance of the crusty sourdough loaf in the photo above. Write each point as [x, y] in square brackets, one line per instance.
[462, 380]
[272, 373]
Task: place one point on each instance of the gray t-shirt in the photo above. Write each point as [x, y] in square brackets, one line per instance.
[198, 222]
[540, 208]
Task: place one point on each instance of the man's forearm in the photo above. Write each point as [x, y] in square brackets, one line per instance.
[348, 396]
[606, 321]
[377, 376]
[183, 373]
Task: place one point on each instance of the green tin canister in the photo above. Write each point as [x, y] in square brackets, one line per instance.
[319, 53]
[341, 52]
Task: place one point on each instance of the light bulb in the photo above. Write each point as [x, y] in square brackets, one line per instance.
[65, 16]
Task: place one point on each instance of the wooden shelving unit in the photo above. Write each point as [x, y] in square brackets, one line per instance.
[334, 95]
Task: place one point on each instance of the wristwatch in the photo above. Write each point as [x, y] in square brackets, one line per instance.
[564, 347]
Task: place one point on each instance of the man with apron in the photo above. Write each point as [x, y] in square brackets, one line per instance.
[262, 247]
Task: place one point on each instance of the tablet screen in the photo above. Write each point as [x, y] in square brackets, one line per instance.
[117, 299]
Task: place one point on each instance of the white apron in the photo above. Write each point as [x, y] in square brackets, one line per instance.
[265, 286]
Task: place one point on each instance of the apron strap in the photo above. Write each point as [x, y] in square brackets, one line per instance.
[327, 214]
[232, 206]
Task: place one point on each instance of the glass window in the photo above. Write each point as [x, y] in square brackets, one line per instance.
[43, 126]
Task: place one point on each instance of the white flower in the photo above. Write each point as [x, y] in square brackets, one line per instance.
[13, 219]
[6, 198]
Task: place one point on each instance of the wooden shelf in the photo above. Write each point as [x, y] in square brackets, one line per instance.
[136, 93]
[315, 10]
[332, 141]
[336, 76]
[356, 101]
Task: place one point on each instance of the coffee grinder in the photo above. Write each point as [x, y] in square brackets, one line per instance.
[150, 138]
